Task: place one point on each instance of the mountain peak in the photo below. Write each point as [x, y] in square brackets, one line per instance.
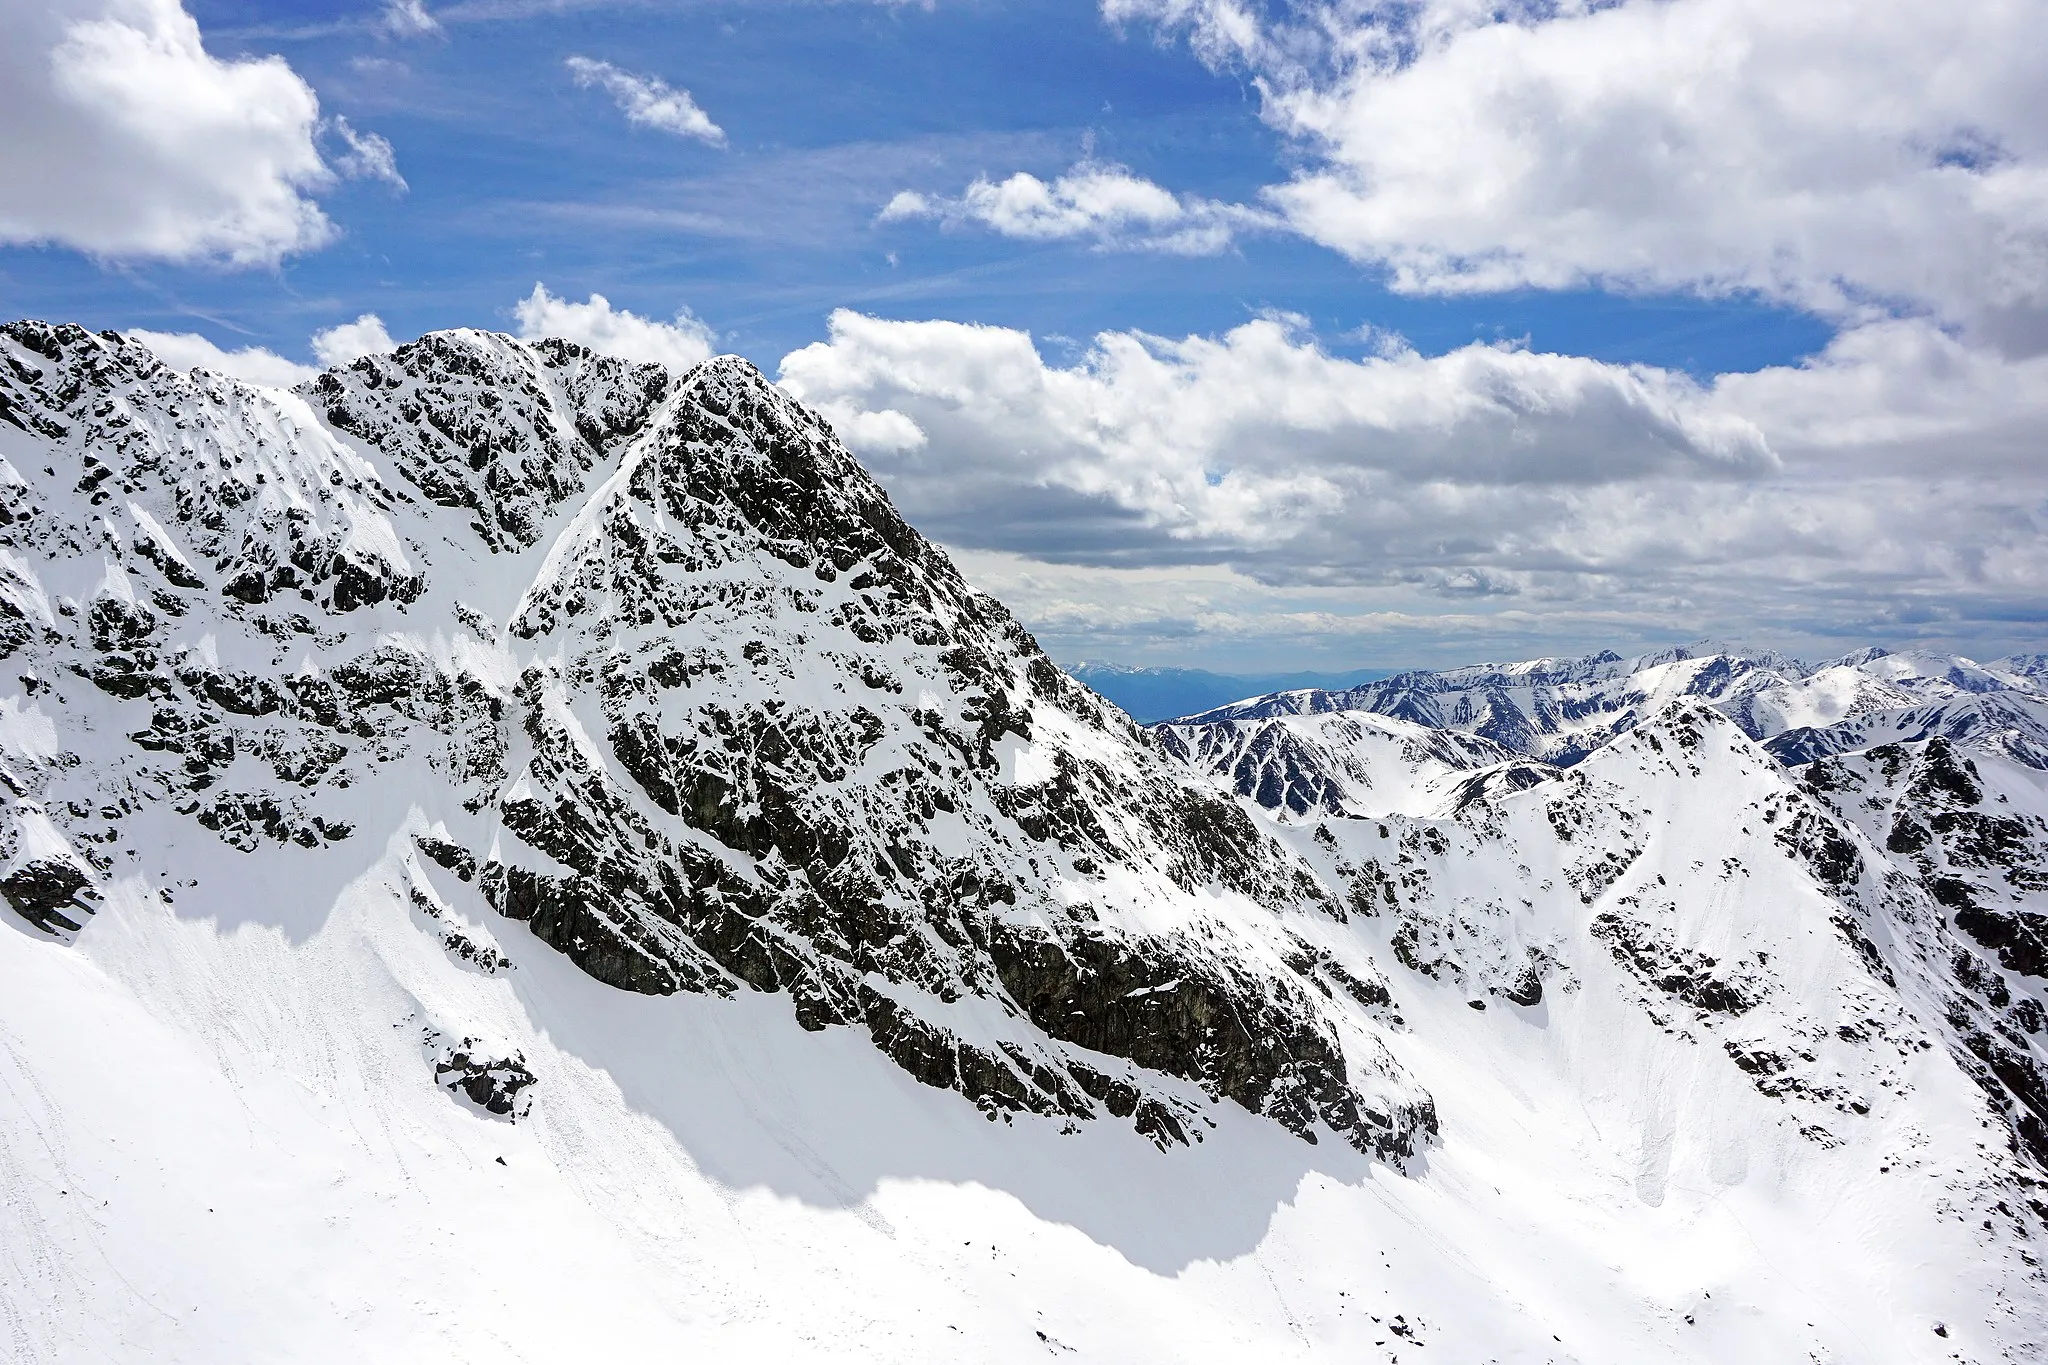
[743, 727]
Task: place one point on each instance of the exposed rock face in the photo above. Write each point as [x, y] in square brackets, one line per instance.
[45, 892]
[1922, 886]
[496, 1085]
[688, 697]
[2010, 724]
[1968, 842]
[1948, 872]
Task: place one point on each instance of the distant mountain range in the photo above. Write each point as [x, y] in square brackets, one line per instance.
[1560, 710]
[1155, 694]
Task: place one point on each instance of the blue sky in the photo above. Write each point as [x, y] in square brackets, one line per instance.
[515, 176]
[1518, 330]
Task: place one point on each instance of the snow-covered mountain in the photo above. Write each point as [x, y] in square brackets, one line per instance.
[2013, 723]
[653, 668]
[514, 855]
[1351, 763]
[1560, 710]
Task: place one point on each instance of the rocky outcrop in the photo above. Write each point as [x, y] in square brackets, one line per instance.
[1349, 763]
[496, 1085]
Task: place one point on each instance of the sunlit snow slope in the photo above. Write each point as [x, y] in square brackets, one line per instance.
[515, 856]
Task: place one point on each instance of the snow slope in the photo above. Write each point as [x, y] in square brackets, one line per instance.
[514, 856]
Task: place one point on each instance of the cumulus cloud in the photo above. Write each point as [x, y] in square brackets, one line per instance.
[254, 364]
[1095, 200]
[886, 432]
[648, 101]
[258, 365]
[351, 341]
[127, 139]
[1887, 486]
[1847, 156]
[1261, 435]
[614, 331]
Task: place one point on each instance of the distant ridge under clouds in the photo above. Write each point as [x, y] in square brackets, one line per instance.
[1155, 694]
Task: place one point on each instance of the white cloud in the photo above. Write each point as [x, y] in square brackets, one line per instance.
[1093, 200]
[1260, 434]
[647, 101]
[125, 138]
[257, 365]
[351, 341]
[369, 156]
[254, 364]
[1846, 156]
[1226, 619]
[614, 331]
[1904, 396]
[1890, 486]
[886, 432]
[409, 19]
